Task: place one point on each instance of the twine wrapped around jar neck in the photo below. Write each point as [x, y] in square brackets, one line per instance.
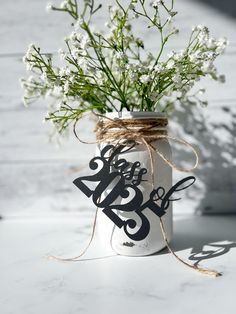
[135, 129]
[143, 131]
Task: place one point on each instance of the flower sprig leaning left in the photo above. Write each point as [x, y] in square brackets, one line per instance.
[113, 70]
[63, 84]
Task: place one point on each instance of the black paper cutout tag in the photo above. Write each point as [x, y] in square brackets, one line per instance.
[125, 177]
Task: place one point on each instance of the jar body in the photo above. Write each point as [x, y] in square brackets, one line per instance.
[112, 236]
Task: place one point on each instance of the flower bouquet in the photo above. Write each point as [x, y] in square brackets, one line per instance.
[111, 71]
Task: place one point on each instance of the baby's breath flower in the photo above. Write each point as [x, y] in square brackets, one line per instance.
[177, 80]
[78, 24]
[202, 91]
[156, 3]
[171, 54]
[64, 4]
[178, 56]
[221, 44]
[49, 7]
[30, 51]
[121, 56]
[84, 42]
[62, 54]
[173, 13]
[211, 44]
[170, 64]
[207, 66]
[201, 28]
[66, 87]
[145, 78]
[73, 36]
[158, 68]
[44, 76]
[82, 63]
[194, 57]
[57, 91]
[115, 12]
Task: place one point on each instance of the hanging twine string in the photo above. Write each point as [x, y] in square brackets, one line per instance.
[77, 258]
[144, 131]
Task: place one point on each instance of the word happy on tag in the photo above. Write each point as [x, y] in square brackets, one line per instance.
[123, 179]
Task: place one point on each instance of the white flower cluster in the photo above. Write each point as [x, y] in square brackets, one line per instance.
[156, 3]
[49, 7]
[63, 5]
[27, 57]
[113, 71]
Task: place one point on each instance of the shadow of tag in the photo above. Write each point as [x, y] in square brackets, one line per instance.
[207, 237]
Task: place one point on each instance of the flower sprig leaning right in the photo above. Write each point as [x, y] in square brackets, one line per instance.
[104, 71]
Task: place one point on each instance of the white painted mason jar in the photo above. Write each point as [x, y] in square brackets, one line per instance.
[108, 234]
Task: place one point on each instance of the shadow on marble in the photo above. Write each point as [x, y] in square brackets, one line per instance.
[214, 136]
[207, 236]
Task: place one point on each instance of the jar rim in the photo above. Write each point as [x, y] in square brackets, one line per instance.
[135, 115]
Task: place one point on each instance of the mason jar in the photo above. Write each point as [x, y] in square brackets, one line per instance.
[159, 174]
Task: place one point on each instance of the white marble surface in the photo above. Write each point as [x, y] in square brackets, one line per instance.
[31, 284]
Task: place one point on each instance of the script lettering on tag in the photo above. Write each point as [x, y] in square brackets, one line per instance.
[111, 170]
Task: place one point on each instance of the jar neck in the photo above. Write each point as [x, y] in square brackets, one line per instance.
[138, 126]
